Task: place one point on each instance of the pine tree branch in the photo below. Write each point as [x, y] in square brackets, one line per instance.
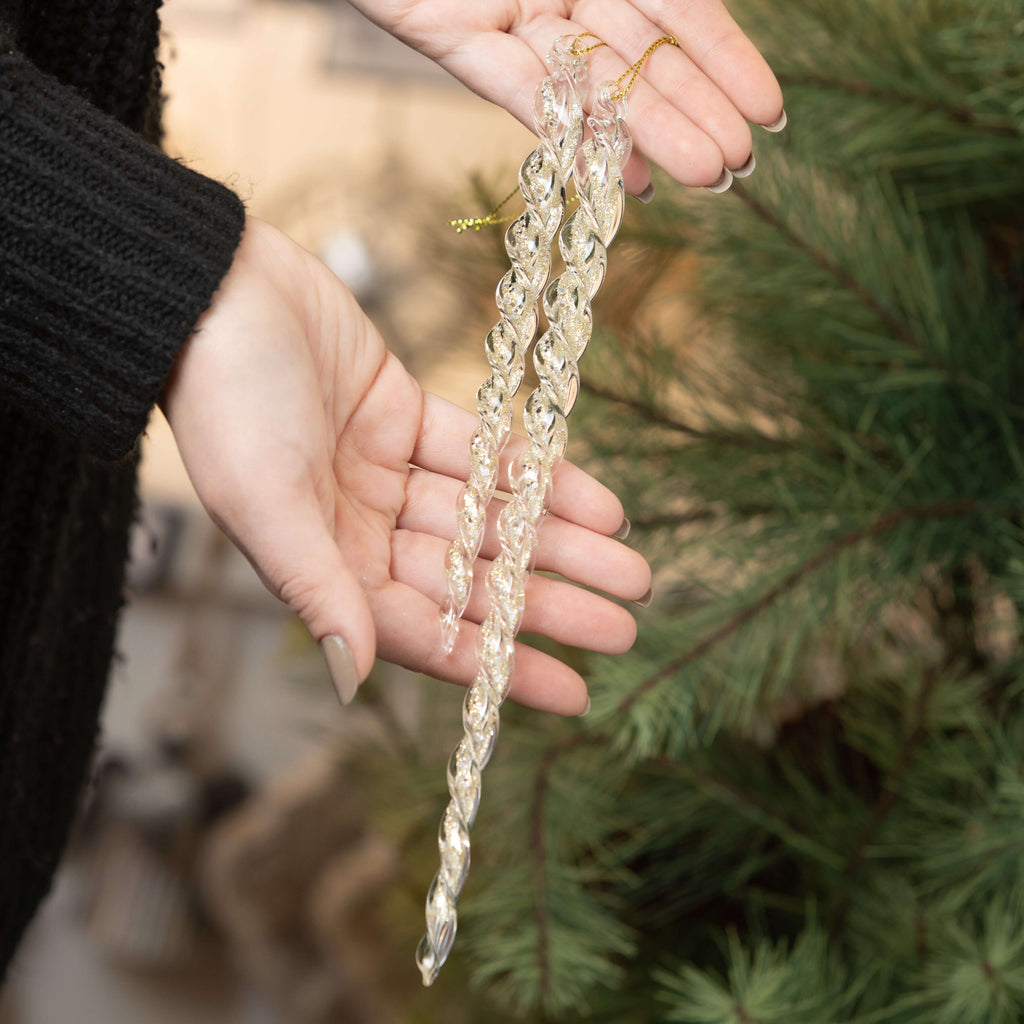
[756, 441]
[538, 852]
[882, 525]
[642, 409]
[961, 114]
[750, 807]
[864, 294]
[887, 800]
[898, 327]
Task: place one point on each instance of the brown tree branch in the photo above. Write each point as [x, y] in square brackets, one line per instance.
[896, 325]
[538, 851]
[882, 525]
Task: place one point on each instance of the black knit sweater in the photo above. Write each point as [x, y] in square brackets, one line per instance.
[109, 253]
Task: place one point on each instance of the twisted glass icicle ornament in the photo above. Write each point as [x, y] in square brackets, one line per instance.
[583, 243]
[542, 180]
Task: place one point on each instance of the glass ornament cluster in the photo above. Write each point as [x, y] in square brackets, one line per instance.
[596, 163]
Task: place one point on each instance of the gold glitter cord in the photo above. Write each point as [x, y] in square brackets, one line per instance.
[620, 88]
[476, 223]
[491, 219]
[542, 182]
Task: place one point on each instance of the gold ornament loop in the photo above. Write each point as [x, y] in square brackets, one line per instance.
[634, 69]
[616, 91]
[576, 51]
[620, 91]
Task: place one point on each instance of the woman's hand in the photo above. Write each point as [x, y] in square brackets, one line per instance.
[316, 452]
[689, 110]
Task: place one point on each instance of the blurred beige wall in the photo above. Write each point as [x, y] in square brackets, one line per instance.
[261, 91]
[337, 133]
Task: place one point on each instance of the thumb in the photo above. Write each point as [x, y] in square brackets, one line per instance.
[298, 559]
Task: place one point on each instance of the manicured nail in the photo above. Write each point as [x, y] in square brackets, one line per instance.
[342, 667]
[777, 126]
[723, 183]
[746, 170]
[623, 531]
[647, 195]
[586, 709]
[645, 601]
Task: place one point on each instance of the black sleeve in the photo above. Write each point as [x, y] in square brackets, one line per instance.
[110, 251]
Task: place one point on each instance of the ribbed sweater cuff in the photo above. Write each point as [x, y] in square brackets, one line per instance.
[110, 251]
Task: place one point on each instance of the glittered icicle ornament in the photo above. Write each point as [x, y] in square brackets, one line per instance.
[583, 243]
[542, 181]
[558, 118]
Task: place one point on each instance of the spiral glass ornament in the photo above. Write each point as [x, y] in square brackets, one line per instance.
[583, 243]
[558, 118]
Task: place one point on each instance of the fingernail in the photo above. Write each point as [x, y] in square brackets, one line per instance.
[777, 126]
[645, 601]
[723, 183]
[747, 169]
[342, 667]
[623, 531]
[586, 709]
[647, 195]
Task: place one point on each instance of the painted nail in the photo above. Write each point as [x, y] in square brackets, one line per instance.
[777, 126]
[647, 195]
[586, 709]
[645, 601]
[342, 667]
[747, 169]
[623, 531]
[723, 183]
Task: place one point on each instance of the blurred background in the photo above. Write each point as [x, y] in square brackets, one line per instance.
[800, 798]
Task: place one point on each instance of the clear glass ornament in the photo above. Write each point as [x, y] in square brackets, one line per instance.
[583, 242]
[558, 118]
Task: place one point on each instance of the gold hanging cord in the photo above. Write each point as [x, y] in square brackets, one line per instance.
[622, 85]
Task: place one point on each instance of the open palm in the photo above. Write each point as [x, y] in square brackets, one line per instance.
[690, 109]
[314, 449]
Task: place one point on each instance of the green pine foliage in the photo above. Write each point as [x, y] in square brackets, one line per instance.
[800, 799]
